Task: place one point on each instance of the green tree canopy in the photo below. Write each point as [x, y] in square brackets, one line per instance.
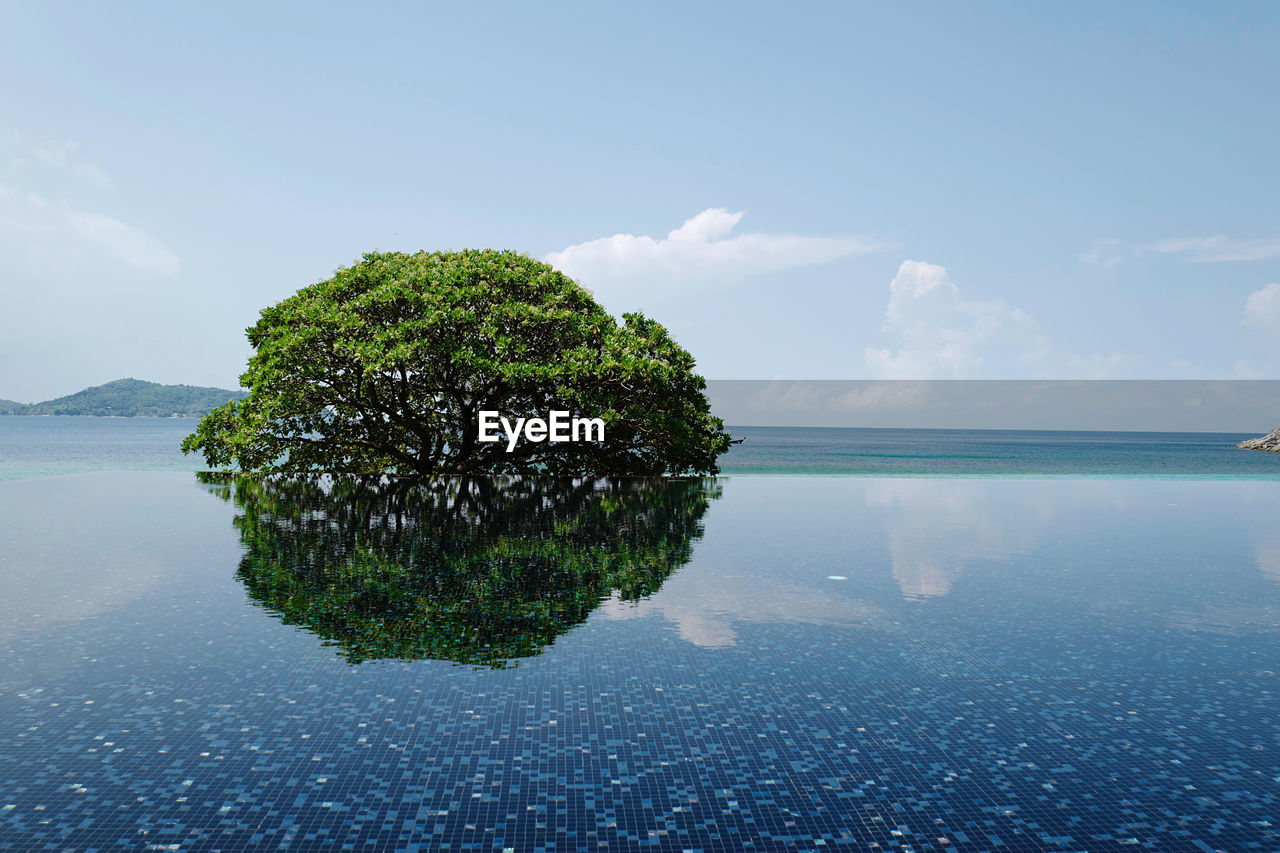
[474, 571]
[385, 367]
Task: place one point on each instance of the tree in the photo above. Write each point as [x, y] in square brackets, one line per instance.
[477, 571]
[385, 367]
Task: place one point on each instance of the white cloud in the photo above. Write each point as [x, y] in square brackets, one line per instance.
[45, 235]
[1262, 308]
[1219, 248]
[1105, 253]
[127, 244]
[92, 173]
[56, 156]
[53, 153]
[945, 336]
[703, 251]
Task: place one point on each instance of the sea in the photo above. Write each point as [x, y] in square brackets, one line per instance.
[47, 446]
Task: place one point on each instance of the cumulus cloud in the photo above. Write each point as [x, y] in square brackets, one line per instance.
[945, 336]
[1219, 248]
[705, 250]
[47, 235]
[1262, 308]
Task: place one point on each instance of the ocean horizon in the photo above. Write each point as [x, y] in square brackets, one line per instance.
[54, 445]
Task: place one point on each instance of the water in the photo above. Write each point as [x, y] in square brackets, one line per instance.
[47, 446]
[62, 445]
[994, 453]
[754, 663]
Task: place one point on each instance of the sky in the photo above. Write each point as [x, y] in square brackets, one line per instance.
[799, 191]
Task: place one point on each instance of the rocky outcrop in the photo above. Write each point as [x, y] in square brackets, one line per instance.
[1270, 441]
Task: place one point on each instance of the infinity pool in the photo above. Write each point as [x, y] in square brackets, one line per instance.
[753, 663]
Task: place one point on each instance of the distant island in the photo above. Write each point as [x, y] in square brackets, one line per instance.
[130, 398]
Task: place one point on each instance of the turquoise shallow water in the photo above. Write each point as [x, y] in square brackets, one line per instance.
[36, 447]
[44, 447]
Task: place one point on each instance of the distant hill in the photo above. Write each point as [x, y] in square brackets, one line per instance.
[130, 398]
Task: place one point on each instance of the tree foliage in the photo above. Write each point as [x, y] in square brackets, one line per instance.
[474, 571]
[385, 367]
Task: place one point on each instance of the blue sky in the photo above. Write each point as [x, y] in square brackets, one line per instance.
[822, 191]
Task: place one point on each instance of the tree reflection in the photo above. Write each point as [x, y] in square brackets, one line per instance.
[478, 572]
